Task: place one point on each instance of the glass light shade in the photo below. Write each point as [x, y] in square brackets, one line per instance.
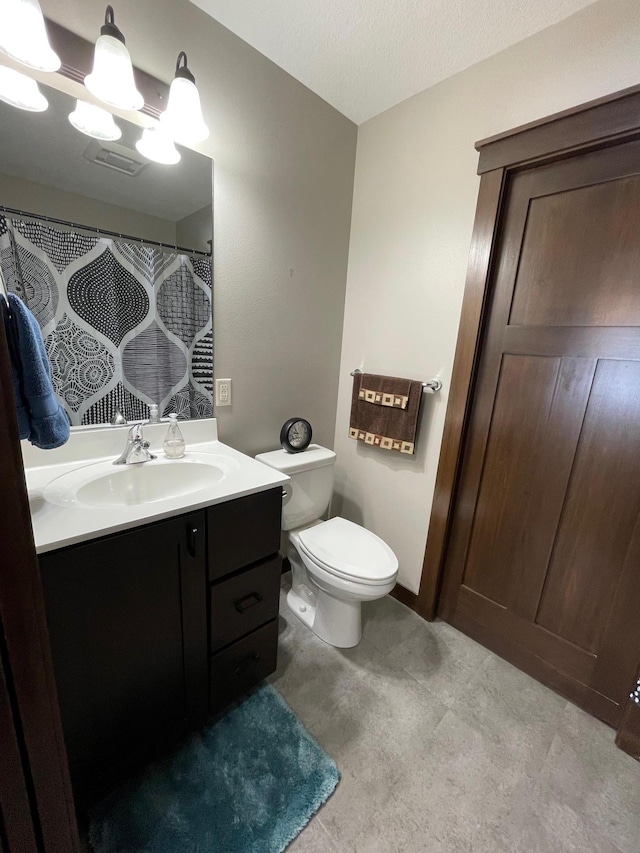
[112, 77]
[94, 121]
[183, 116]
[23, 35]
[155, 144]
[21, 91]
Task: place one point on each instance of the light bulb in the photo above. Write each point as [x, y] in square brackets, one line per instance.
[94, 121]
[112, 78]
[155, 144]
[23, 35]
[21, 91]
[183, 116]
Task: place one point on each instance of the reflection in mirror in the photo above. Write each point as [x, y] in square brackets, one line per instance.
[112, 254]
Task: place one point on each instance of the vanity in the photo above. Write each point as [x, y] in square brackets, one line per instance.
[161, 587]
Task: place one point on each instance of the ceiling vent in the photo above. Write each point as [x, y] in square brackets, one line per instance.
[117, 157]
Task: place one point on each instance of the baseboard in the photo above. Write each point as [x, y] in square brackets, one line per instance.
[405, 596]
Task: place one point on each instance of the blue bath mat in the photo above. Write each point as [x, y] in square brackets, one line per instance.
[248, 784]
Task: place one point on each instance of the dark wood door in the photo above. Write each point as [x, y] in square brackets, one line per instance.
[36, 804]
[17, 832]
[127, 618]
[544, 556]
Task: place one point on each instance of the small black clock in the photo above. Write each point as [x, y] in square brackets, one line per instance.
[295, 435]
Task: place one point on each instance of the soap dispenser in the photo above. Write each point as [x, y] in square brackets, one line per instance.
[174, 442]
[154, 415]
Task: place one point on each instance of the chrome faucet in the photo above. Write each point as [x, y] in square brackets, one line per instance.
[136, 449]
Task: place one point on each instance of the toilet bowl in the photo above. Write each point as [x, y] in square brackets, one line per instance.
[335, 564]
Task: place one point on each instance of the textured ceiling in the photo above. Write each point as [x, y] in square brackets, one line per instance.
[364, 56]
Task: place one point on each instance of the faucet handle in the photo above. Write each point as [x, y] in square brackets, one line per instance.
[136, 450]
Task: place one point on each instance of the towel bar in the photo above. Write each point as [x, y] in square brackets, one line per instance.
[430, 387]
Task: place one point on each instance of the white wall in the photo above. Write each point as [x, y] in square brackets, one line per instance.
[283, 183]
[414, 201]
[196, 230]
[50, 201]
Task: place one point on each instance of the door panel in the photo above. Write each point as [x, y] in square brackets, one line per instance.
[527, 468]
[601, 219]
[514, 451]
[544, 554]
[620, 644]
[600, 512]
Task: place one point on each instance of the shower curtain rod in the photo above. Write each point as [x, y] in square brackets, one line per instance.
[102, 232]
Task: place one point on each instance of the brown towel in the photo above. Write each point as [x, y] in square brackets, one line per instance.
[385, 411]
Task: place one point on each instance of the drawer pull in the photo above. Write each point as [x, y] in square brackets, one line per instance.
[192, 540]
[243, 604]
[247, 663]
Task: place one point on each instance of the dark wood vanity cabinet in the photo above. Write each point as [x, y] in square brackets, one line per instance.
[127, 622]
[154, 629]
[243, 538]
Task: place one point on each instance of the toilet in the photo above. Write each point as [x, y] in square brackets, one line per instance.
[335, 564]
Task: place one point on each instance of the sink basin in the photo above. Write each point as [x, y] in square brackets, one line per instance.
[104, 485]
[139, 484]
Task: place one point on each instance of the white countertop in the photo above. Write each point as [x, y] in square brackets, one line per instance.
[56, 525]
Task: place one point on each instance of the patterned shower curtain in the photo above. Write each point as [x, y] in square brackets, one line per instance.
[124, 324]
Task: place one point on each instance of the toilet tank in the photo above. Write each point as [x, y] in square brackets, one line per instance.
[312, 473]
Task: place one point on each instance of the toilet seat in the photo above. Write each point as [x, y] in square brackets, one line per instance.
[349, 551]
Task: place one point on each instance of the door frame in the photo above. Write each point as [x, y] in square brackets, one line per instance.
[40, 804]
[597, 124]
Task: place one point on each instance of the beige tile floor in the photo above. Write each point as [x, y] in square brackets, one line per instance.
[444, 747]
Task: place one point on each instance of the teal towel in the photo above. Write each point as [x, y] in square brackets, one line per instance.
[41, 418]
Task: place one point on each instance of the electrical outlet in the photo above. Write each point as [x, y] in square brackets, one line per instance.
[223, 392]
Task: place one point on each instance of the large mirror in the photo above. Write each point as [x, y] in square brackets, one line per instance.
[112, 254]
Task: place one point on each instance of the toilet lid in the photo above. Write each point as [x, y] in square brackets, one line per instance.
[349, 550]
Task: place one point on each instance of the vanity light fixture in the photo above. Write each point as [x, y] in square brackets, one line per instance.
[183, 116]
[94, 121]
[156, 144]
[21, 91]
[23, 35]
[112, 78]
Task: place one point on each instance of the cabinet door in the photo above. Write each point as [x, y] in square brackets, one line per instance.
[128, 626]
[243, 531]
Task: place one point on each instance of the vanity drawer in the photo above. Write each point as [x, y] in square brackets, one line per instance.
[244, 602]
[241, 666]
[243, 531]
